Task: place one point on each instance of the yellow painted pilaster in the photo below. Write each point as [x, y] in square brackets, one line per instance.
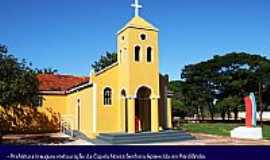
[131, 115]
[169, 112]
[154, 115]
[122, 114]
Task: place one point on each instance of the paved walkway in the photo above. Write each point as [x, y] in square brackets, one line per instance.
[200, 139]
[78, 142]
[206, 139]
[61, 139]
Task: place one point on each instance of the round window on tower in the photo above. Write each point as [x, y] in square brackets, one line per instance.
[143, 37]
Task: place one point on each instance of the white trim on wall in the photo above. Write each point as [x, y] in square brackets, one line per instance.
[152, 96]
[112, 96]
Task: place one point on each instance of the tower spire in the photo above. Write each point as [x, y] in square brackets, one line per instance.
[136, 7]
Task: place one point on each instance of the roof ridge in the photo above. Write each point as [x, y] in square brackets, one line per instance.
[140, 23]
[58, 82]
[63, 75]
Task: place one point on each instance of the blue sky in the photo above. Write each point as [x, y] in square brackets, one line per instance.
[70, 35]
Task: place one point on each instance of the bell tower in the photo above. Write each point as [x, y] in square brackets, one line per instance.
[138, 59]
[138, 55]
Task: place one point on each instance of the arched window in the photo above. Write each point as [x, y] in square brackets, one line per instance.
[137, 53]
[149, 54]
[107, 96]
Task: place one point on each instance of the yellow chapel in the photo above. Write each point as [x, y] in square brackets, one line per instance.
[129, 96]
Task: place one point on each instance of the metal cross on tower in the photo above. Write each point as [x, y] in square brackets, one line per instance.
[137, 7]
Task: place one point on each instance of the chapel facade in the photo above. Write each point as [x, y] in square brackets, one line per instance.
[128, 96]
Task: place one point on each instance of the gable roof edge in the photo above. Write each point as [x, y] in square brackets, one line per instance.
[106, 69]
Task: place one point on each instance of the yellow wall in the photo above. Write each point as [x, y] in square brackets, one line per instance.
[56, 102]
[169, 112]
[67, 106]
[126, 74]
[85, 97]
[133, 75]
[108, 116]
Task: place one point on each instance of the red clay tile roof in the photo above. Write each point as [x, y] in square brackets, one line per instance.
[51, 82]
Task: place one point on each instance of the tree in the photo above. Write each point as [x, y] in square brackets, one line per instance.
[3, 49]
[263, 79]
[104, 61]
[228, 78]
[228, 105]
[46, 71]
[185, 99]
[244, 73]
[18, 83]
[180, 107]
[201, 91]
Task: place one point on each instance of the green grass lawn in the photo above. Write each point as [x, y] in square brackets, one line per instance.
[222, 129]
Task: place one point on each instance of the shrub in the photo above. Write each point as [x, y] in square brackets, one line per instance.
[28, 120]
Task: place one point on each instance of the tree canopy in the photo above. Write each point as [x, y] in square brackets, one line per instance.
[219, 84]
[180, 108]
[46, 71]
[18, 83]
[105, 61]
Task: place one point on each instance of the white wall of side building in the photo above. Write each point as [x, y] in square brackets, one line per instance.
[266, 115]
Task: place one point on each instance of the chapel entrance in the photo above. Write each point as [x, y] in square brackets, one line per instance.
[143, 110]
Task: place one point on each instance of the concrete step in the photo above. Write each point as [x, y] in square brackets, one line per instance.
[142, 138]
[103, 137]
[149, 140]
[142, 134]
